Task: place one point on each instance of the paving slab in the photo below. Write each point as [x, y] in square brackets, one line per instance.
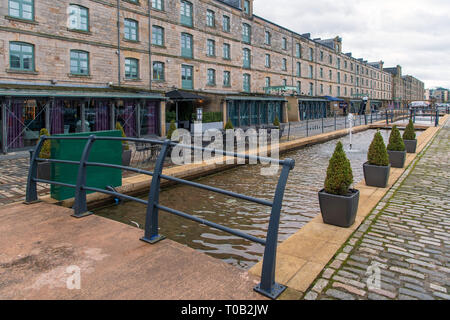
[42, 248]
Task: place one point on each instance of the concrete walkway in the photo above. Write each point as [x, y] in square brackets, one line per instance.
[402, 250]
[42, 248]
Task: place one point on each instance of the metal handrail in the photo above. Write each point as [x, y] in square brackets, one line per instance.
[267, 286]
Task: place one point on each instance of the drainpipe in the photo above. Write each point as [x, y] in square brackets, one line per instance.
[150, 43]
[118, 42]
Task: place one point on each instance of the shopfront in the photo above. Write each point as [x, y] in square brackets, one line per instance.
[310, 109]
[25, 113]
[249, 112]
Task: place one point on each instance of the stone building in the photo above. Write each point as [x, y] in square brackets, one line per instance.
[405, 89]
[119, 59]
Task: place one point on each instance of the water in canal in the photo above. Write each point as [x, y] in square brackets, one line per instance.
[299, 206]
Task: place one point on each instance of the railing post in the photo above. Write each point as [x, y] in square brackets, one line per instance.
[335, 123]
[151, 220]
[268, 287]
[80, 203]
[307, 129]
[387, 118]
[31, 195]
[436, 120]
[323, 129]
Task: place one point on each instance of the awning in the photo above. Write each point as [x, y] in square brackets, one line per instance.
[254, 98]
[333, 99]
[66, 94]
[178, 95]
[312, 99]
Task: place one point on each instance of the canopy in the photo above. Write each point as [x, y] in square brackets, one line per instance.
[178, 95]
[333, 99]
[419, 104]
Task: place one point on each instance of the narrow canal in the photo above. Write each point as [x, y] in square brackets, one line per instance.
[299, 207]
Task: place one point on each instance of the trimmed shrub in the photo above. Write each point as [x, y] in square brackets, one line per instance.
[276, 122]
[395, 140]
[124, 143]
[46, 147]
[339, 173]
[172, 129]
[229, 125]
[409, 133]
[377, 155]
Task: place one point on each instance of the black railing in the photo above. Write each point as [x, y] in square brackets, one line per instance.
[267, 286]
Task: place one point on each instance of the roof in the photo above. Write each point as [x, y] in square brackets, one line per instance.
[179, 95]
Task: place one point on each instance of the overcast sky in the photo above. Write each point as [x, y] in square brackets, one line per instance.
[412, 33]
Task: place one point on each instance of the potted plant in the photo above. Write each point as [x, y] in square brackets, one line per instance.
[126, 152]
[377, 168]
[396, 149]
[338, 202]
[171, 130]
[44, 168]
[409, 138]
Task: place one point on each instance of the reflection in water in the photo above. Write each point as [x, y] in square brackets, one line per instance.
[299, 206]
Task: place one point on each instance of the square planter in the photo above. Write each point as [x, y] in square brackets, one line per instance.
[411, 146]
[376, 176]
[397, 158]
[339, 210]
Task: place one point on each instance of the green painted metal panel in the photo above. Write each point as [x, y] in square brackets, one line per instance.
[97, 177]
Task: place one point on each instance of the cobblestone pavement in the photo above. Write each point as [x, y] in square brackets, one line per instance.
[13, 180]
[402, 250]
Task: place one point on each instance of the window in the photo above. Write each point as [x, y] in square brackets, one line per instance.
[331, 75]
[158, 4]
[321, 72]
[226, 51]
[338, 91]
[345, 64]
[79, 62]
[211, 77]
[284, 83]
[284, 64]
[158, 71]
[267, 39]
[284, 44]
[226, 79]
[330, 90]
[246, 83]
[338, 77]
[246, 55]
[267, 64]
[186, 13]
[267, 82]
[246, 7]
[21, 56]
[311, 54]
[157, 36]
[210, 18]
[311, 89]
[321, 89]
[131, 30]
[345, 78]
[22, 9]
[299, 69]
[331, 59]
[210, 48]
[338, 63]
[321, 55]
[298, 50]
[131, 68]
[186, 45]
[299, 87]
[187, 77]
[78, 18]
[311, 71]
[226, 24]
[246, 33]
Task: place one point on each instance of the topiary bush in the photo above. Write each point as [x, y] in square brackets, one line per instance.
[46, 147]
[409, 133]
[229, 125]
[124, 143]
[377, 155]
[395, 140]
[339, 173]
[172, 129]
[276, 122]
